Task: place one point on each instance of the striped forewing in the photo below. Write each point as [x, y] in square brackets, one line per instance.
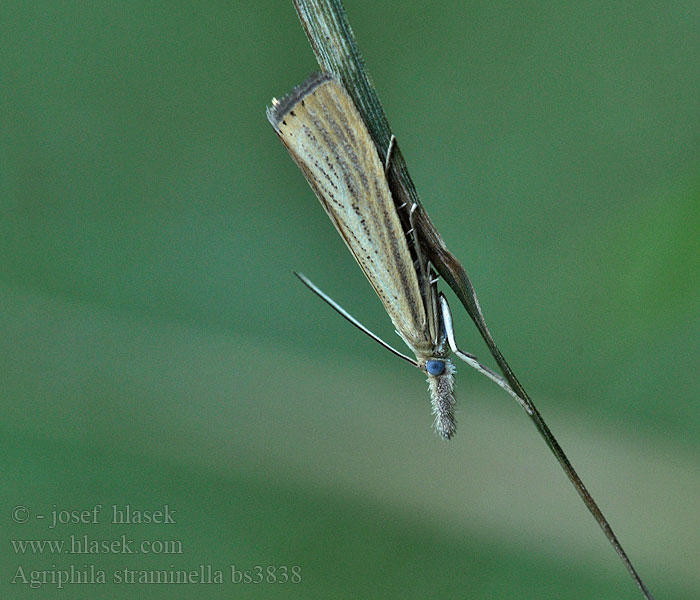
[324, 133]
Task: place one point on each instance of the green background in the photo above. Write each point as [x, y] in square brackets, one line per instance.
[155, 348]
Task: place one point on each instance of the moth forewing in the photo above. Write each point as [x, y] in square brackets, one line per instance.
[324, 133]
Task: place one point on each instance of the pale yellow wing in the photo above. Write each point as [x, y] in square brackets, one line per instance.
[324, 133]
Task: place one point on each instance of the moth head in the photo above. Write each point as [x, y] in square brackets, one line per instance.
[435, 366]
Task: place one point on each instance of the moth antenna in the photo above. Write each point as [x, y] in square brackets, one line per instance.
[346, 315]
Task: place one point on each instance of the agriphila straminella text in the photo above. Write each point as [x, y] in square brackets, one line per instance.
[392, 239]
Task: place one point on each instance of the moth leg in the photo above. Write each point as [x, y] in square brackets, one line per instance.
[422, 263]
[423, 269]
[389, 152]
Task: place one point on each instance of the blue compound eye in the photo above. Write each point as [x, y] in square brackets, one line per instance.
[435, 367]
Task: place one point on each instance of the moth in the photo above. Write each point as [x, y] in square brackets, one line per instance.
[327, 138]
